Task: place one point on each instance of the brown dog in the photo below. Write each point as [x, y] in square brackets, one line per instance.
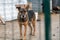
[26, 18]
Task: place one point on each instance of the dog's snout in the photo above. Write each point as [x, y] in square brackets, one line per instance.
[23, 15]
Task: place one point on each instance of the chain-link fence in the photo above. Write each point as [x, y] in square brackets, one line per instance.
[11, 31]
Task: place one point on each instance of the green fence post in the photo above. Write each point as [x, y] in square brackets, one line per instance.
[46, 4]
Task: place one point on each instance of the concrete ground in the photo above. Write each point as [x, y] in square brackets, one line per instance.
[10, 31]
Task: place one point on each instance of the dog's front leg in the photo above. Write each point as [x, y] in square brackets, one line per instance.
[25, 29]
[30, 28]
[33, 23]
[20, 31]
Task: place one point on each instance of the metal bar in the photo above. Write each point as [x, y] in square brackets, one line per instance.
[4, 25]
[46, 4]
[59, 26]
[12, 24]
[39, 20]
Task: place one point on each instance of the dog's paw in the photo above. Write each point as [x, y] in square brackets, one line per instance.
[24, 38]
[30, 34]
[21, 39]
[33, 34]
[4, 24]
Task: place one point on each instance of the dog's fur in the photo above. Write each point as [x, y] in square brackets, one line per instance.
[30, 19]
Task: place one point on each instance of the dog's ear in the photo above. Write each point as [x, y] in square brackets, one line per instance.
[18, 8]
[27, 7]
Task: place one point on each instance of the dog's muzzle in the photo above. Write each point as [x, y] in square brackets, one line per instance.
[23, 17]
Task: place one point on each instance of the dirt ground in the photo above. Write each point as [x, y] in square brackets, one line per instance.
[10, 31]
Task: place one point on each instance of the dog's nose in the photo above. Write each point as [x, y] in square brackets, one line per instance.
[23, 16]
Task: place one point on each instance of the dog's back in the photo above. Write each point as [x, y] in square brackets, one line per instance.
[31, 14]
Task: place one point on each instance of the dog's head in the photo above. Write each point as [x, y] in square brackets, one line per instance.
[23, 13]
